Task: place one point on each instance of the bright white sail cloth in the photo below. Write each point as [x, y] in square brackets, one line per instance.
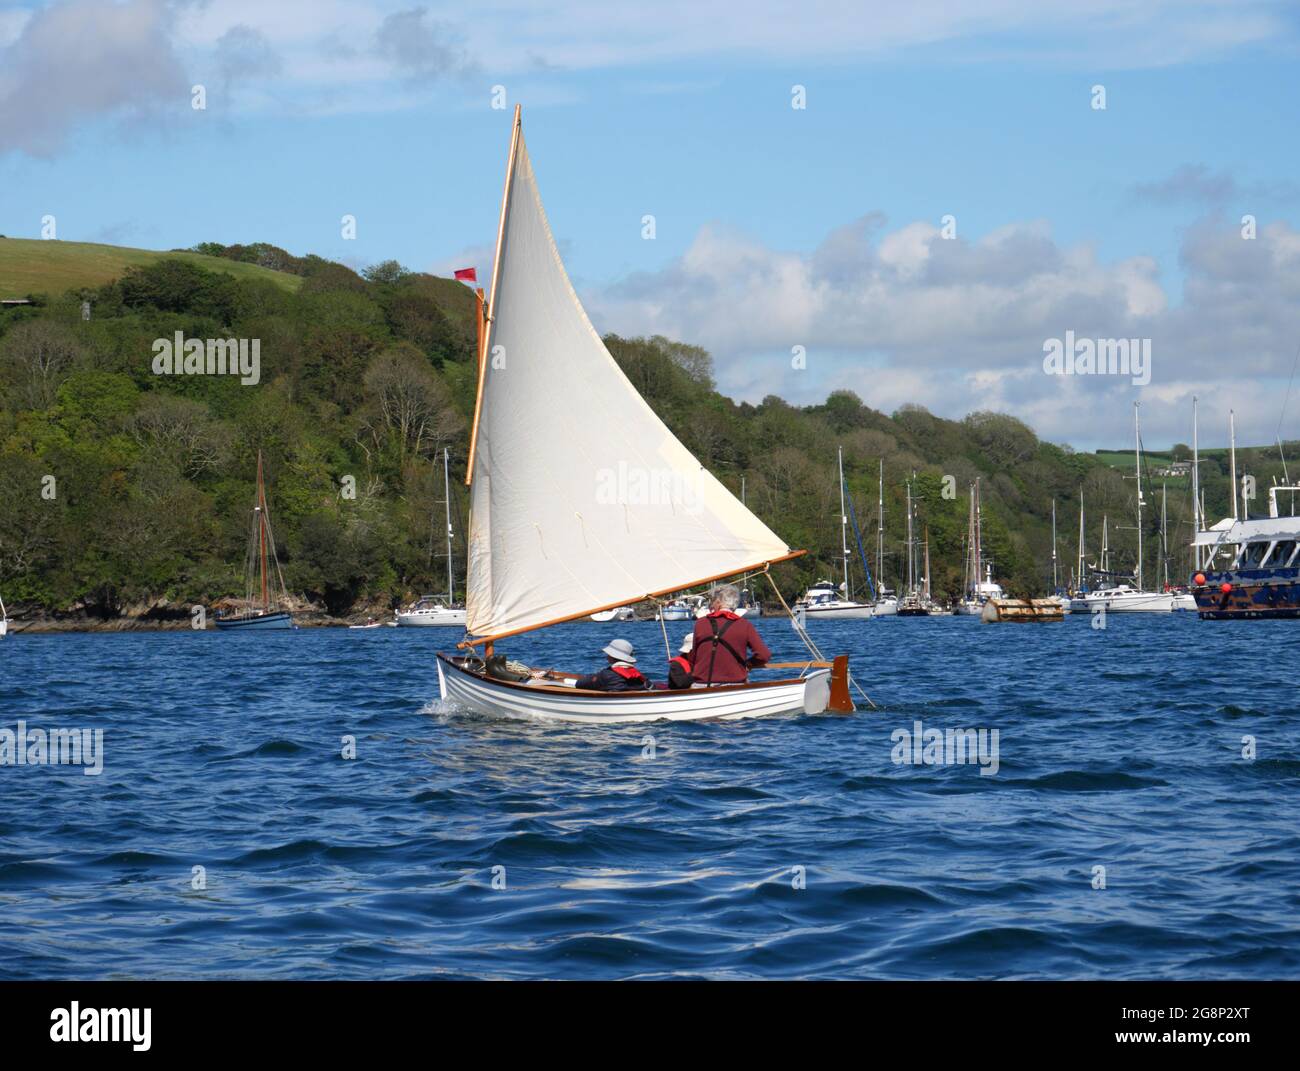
[581, 497]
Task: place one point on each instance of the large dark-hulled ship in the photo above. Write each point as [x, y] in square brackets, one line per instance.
[1251, 568]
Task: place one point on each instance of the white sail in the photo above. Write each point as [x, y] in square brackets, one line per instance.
[581, 497]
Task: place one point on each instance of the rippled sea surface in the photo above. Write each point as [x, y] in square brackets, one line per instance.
[777, 848]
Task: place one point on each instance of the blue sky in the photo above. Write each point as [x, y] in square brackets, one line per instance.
[1116, 223]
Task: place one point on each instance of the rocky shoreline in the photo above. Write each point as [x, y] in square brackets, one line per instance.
[165, 616]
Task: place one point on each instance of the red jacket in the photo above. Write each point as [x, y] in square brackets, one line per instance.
[728, 661]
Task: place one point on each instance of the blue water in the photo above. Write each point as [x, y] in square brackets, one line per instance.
[1118, 749]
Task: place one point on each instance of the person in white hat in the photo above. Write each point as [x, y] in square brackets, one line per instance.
[680, 669]
[621, 675]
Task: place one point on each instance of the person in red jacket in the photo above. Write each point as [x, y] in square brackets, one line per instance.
[727, 646]
[621, 675]
[679, 668]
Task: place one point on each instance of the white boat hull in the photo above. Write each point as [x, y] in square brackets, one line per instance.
[459, 687]
[1147, 602]
[837, 611]
[621, 613]
[4, 628]
[739, 611]
[443, 618]
[885, 608]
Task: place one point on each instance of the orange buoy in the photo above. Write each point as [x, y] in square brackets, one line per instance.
[1225, 587]
[1199, 578]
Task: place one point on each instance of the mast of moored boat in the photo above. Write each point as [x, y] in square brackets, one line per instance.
[927, 563]
[880, 525]
[970, 580]
[1164, 531]
[1105, 545]
[844, 529]
[1137, 468]
[1232, 459]
[1196, 492]
[1056, 584]
[1078, 580]
[261, 530]
[1231, 430]
[911, 555]
[446, 488]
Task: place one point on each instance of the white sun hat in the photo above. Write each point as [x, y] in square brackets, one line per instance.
[621, 650]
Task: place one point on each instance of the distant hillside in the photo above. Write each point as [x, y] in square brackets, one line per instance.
[31, 266]
[366, 376]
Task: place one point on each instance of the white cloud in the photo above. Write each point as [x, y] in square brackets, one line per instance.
[78, 60]
[907, 316]
[353, 56]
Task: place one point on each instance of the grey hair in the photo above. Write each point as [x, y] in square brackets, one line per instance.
[726, 596]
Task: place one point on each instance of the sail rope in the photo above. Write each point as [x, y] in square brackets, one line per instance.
[668, 651]
[808, 640]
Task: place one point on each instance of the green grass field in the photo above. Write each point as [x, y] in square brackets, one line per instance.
[31, 266]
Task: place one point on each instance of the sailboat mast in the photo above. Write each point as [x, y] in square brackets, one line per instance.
[1105, 544]
[1078, 580]
[446, 489]
[927, 563]
[979, 538]
[880, 525]
[1056, 585]
[1137, 468]
[911, 557]
[1232, 456]
[261, 529]
[971, 578]
[1196, 490]
[844, 529]
[1164, 530]
[490, 314]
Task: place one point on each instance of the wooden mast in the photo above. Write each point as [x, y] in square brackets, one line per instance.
[490, 315]
[261, 529]
[480, 319]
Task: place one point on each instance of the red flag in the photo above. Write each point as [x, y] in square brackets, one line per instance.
[467, 275]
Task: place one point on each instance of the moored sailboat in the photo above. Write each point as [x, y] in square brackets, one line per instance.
[261, 609]
[826, 601]
[618, 613]
[916, 601]
[439, 611]
[979, 584]
[547, 542]
[1124, 598]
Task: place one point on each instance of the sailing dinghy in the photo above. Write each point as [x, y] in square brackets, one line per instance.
[561, 447]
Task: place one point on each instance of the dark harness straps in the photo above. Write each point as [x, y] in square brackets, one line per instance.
[717, 639]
